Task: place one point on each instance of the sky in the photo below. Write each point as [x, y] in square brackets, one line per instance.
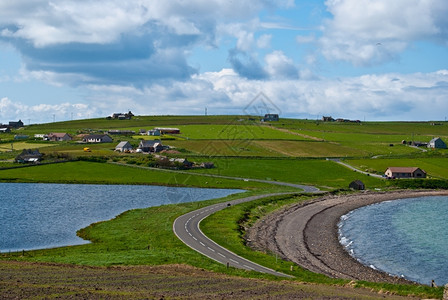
[368, 60]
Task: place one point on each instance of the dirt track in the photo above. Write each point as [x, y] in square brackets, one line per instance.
[306, 233]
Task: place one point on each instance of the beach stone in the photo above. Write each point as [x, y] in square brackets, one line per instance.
[445, 292]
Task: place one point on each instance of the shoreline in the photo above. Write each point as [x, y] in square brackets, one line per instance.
[307, 234]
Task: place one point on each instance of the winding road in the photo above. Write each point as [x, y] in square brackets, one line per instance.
[186, 228]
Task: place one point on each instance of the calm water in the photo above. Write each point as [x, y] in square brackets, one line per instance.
[35, 216]
[407, 237]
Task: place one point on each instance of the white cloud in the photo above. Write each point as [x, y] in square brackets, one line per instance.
[278, 65]
[418, 96]
[43, 113]
[366, 32]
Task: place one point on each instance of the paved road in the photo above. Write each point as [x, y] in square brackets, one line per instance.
[336, 160]
[186, 227]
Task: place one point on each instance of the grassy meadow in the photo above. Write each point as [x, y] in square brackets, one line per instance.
[293, 151]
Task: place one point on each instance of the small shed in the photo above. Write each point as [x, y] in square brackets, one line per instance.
[124, 146]
[437, 143]
[357, 185]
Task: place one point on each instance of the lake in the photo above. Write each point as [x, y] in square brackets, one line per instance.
[407, 237]
[36, 216]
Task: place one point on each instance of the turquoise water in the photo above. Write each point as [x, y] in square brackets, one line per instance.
[36, 216]
[407, 237]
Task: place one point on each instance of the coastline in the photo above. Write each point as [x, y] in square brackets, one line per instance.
[307, 234]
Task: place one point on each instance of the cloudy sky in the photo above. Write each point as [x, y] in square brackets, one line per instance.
[358, 59]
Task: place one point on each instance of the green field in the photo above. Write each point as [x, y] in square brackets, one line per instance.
[293, 151]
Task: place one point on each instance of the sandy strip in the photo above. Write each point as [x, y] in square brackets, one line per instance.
[307, 234]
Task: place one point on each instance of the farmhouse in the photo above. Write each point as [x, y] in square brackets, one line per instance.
[29, 156]
[437, 143]
[97, 138]
[124, 146]
[270, 117]
[58, 137]
[15, 125]
[121, 116]
[405, 172]
[151, 146]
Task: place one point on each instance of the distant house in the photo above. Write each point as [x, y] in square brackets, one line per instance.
[124, 146]
[5, 130]
[15, 125]
[327, 119]
[164, 130]
[122, 116]
[97, 138]
[357, 185]
[58, 137]
[29, 156]
[153, 132]
[437, 143]
[151, 146]
[270, 117]
[405, 172]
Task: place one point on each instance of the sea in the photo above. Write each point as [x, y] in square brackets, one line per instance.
[406, 237]
[37, 216]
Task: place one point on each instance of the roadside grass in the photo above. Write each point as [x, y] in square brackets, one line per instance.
[435, 167]
[321, 173]
[104, 173]
[228, 227]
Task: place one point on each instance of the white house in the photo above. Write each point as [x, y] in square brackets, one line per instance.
[437, 143]
[124, 146]
[97, 138]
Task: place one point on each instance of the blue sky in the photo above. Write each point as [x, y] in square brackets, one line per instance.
[357, 59]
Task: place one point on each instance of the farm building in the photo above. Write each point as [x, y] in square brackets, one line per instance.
[405, 172]
[124, 146]
[15, 125]
[58, 137]
[154, 132]
[168, 130]
[97, 138]
[29, 156]
[357, 185]
[437, 143]
[270, 117]
[151, 146]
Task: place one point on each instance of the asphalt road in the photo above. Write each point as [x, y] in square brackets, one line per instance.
[186, 228]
